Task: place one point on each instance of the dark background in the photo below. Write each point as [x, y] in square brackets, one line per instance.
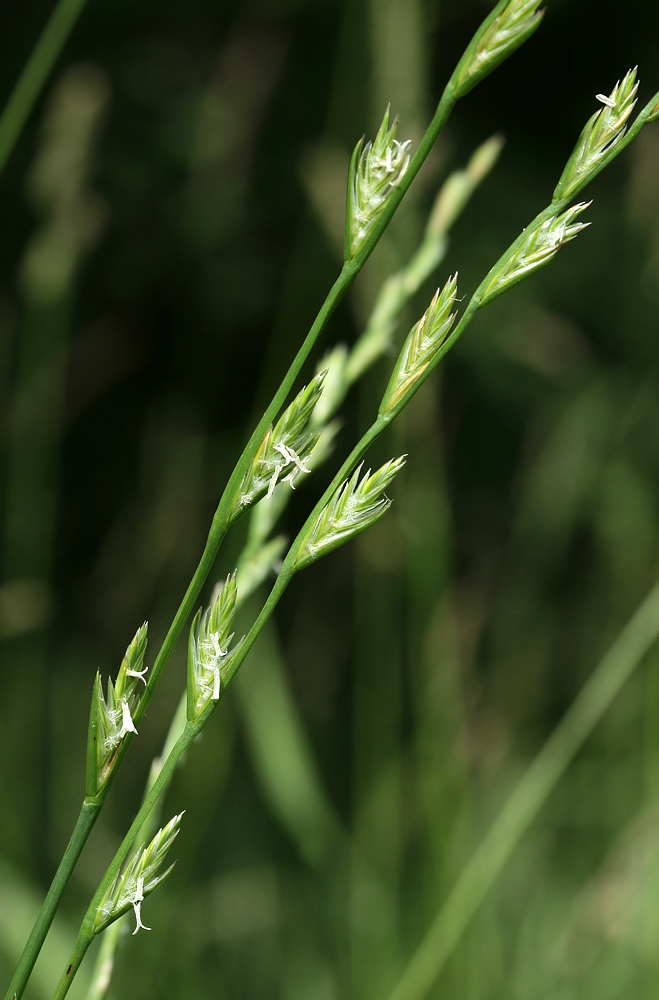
[163, 253]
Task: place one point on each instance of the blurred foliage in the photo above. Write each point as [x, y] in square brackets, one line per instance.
[170, 222]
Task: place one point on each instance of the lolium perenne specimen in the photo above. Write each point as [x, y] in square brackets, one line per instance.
[293, 440]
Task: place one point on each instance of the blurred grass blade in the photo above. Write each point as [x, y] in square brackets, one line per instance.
[283, 759]
[526, 801]
[35, 73]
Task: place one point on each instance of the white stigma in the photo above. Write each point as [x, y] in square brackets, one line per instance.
[138, 673]
[137, 906]
[127, 724]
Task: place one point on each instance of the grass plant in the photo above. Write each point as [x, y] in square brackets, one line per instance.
[292, 440]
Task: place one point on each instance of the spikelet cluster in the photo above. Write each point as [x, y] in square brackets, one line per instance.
[508, 27]
[539, 246]
[208, 648]
[139, 878]
[601, 134]
[282, 453]
[421, 347]
[376, 170]
[111, 716]
[354, 507]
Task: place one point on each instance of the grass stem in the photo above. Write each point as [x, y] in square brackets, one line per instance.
[82, 829]
[35, 73]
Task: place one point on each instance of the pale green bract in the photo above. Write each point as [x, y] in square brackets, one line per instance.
[111, 717]
[505, 30]
[140, 878]
[375, 172]
[208, 648]
[354, 507]
[281, 455]
[421, 347]
[600, 135]
[537, 248]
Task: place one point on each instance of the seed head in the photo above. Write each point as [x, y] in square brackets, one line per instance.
[281, 455]
[421, 347]
[139, 878]
[208, 648]
[601, 134]
[111, 717]
[541, 244]
[354, 507]
[376, 170]
[508, 26]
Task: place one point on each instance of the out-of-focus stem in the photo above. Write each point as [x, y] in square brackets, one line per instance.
[528, 798]
[35, 73]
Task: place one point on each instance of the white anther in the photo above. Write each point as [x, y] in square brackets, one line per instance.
[137, 673]
[127, 724]
[610, 103]
[137, 906]
[291, 456]
[273, 481]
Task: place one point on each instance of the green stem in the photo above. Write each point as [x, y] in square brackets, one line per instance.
[86, 933]
[218, 530]
[192, 729]
[75, 961]
[83, 826]
[225, 512]
[527, 799]
[35, 73]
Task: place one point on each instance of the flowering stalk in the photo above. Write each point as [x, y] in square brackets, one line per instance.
[208, 649]
[329, 522]
[509, 25]
[424, 341]
[344, 509]
[228, 509]
[541, 242]
[376, 170]
[131, 886]
[601, 134]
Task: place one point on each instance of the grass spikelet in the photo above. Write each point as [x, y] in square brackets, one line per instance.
[602, 132]
[375, 171]
[541, 244]
[281, 455]
[208, 648]
[140, 878]
[421, 347]
[355, 506]
[508, 27]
